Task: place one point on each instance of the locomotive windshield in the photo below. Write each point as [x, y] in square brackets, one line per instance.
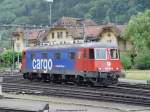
[100, 53]
[114, 54]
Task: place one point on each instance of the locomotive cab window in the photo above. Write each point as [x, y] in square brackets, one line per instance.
[32, 56]
[71, 55]
[100, 53]
[114, 54]
[57, 56]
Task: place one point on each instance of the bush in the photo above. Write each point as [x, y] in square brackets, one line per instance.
[142, 61]
[6, 58]
[126, 61]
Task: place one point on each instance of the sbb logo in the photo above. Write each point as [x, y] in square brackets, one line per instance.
[42, 64]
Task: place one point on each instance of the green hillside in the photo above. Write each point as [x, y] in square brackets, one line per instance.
[37, 11]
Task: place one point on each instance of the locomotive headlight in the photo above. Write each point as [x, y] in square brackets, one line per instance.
[99, 68]
[108, 64]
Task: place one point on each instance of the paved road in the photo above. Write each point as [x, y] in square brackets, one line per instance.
[58, 104]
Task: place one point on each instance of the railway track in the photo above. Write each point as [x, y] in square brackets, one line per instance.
[136, 89]
[113, 93]
[118, 89]
[124, 93]
[18, 79]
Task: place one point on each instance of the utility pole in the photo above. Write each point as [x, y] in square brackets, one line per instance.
[50, 14]
[13, 56]
[26, 36]
[50, 11]
[84, 36]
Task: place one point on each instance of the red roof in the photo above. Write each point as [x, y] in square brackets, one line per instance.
[94, 31]
[69, 21]
[34, 33]
[89, 31]
[75, 32]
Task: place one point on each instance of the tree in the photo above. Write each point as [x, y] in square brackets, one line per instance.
[143, 60]
[126, 61]
[138, 32]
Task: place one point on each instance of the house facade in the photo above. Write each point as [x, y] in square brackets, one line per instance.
[87, 30]
[58, 35]
[112, 33]
[71, 30]
[18, 40]
[23, 38]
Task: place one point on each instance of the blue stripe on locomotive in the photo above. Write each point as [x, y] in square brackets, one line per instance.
[64, 63]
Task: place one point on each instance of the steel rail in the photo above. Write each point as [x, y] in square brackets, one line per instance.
[78, 93]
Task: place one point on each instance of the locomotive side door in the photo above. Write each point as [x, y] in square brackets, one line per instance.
[89, 59]
[85, 61]
[80, 60]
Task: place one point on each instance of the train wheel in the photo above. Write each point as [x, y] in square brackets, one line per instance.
[44, 77]
[56, 78]
[30, 76]
[106, 82]
[25, 76]
[70, 79]
[91, 84]
[48, 78]
[79, 80]
[39, 77]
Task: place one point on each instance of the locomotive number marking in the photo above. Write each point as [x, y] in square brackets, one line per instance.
[42, 64]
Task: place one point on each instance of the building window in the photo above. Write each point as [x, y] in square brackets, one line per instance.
[109, 35]
[109, 41]
[59, 35]
[57, 56]
[66, 34]
[18, 46]
[53, 35]
[17, 38]
[71, 55]
[61, 42]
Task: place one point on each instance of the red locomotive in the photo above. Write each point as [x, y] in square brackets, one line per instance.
[90, 63]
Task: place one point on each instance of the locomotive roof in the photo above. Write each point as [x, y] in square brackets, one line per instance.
[83, 45]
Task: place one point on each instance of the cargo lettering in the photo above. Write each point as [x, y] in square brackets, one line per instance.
[42, 64]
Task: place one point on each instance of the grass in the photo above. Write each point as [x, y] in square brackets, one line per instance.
[137, 74]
